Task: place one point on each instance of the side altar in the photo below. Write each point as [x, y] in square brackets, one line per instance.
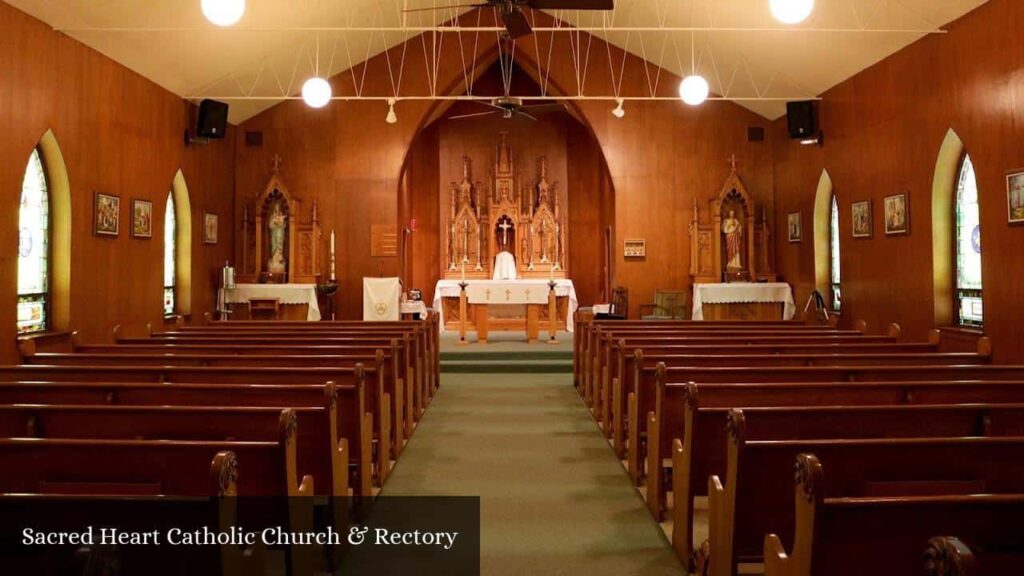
[279, 271]
[511, 230]
[731, 258]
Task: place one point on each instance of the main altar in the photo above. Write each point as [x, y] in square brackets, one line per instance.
[506, 242]
[279, 267]
[731, 258]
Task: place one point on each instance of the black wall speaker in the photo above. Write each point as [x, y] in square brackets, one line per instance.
[802, 121]
[213, 119]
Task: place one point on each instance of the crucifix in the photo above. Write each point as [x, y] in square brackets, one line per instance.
[733, 161]
[277, 162]
[543, 242]
[504, 232]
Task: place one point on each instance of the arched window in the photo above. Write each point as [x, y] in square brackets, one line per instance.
[968, 248]
[837, 294]
[34, 248]
[170, 253]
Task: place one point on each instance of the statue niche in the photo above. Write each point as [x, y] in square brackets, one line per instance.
[732, 244]
[277, 246]
[512, 228]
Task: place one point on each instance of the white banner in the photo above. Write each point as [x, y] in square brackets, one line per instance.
[380, 299]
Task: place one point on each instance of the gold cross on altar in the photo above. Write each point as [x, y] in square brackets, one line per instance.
[488, 294]
[508, 295]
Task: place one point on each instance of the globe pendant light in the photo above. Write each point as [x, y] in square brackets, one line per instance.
[223, 12]
[791, 11]
[694, 90]
[316, 92]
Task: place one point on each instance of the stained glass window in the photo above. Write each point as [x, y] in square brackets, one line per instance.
[968, 248]
[170, 237]
[33, 248]
[833, 245]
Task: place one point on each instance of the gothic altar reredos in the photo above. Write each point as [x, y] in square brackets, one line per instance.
[506, 215]
[730, 240]
[280, 239]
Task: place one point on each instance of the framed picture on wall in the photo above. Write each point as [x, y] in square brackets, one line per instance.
[106, 214]
[897, 214]
[142, 219]
[795, 226]
[1015, 196]
[209, 228]
[862, 219]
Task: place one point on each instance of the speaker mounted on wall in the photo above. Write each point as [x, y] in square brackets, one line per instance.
[211, 122]
[802, 120]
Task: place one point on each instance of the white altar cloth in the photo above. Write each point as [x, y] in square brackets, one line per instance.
[504, 267]
[285, 293]
[506, 292]
[743, 292]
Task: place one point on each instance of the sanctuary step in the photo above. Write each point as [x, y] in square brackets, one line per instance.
[517, 362]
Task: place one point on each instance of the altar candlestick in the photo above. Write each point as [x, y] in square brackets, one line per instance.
[333, 278]
[463, 270]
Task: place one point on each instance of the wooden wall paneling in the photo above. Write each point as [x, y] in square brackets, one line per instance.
[120, 134]
[883, 131]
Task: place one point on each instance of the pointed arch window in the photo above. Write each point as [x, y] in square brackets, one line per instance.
[833, 246]
[968, 305]
[170, 263]
[34, 248]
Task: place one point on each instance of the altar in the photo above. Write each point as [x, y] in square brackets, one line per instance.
[743, 301]
[297, 301]
[507, 305]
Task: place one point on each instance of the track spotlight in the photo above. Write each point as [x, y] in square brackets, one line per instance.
[223, 12]
[316, 92]
[619, 111]
[391, 118]
[694, 90]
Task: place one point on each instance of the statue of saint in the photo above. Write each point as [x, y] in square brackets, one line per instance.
[733, 231]
[278, 225]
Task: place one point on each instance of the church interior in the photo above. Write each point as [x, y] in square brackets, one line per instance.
[552, 286]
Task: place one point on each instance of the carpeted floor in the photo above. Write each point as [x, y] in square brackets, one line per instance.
[554, 500]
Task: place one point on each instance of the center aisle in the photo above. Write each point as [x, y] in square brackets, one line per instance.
[554, 500]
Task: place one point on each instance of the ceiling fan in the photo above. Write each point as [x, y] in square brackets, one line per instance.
[510, 107]
[512, 10]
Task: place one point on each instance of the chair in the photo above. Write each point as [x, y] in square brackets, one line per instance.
[668, 305]
[269, 306]
[619, 309]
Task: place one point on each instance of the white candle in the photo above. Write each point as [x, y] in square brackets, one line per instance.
[463, 270]
[333, 277]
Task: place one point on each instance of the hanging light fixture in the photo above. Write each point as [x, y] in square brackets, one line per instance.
[694, 90]
[316, 92]
[619, 111]
[791, 11]
[391, 118]
[223, 12]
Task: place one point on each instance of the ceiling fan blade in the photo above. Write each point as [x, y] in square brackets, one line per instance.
[525, 115]
[571, 4]
[473, 115]
[542, 108]
[515, 23]
[436, 8]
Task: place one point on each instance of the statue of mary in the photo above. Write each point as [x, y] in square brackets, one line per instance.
[277, 225]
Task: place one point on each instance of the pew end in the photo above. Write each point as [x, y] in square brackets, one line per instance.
[27, 347]
[985, 347]
[861, 326]
[808, 496]
[935, 336]
[948, 556]
[894, 330]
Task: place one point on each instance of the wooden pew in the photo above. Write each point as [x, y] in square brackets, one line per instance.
[354, 423]
[643, 397]
[840, 411]
[198, 497]
[425, 376]
[754, 498]
[387, 387]
[152, 468]
[624, 357]
[376, 404]
[950, 556]
[884, 535]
